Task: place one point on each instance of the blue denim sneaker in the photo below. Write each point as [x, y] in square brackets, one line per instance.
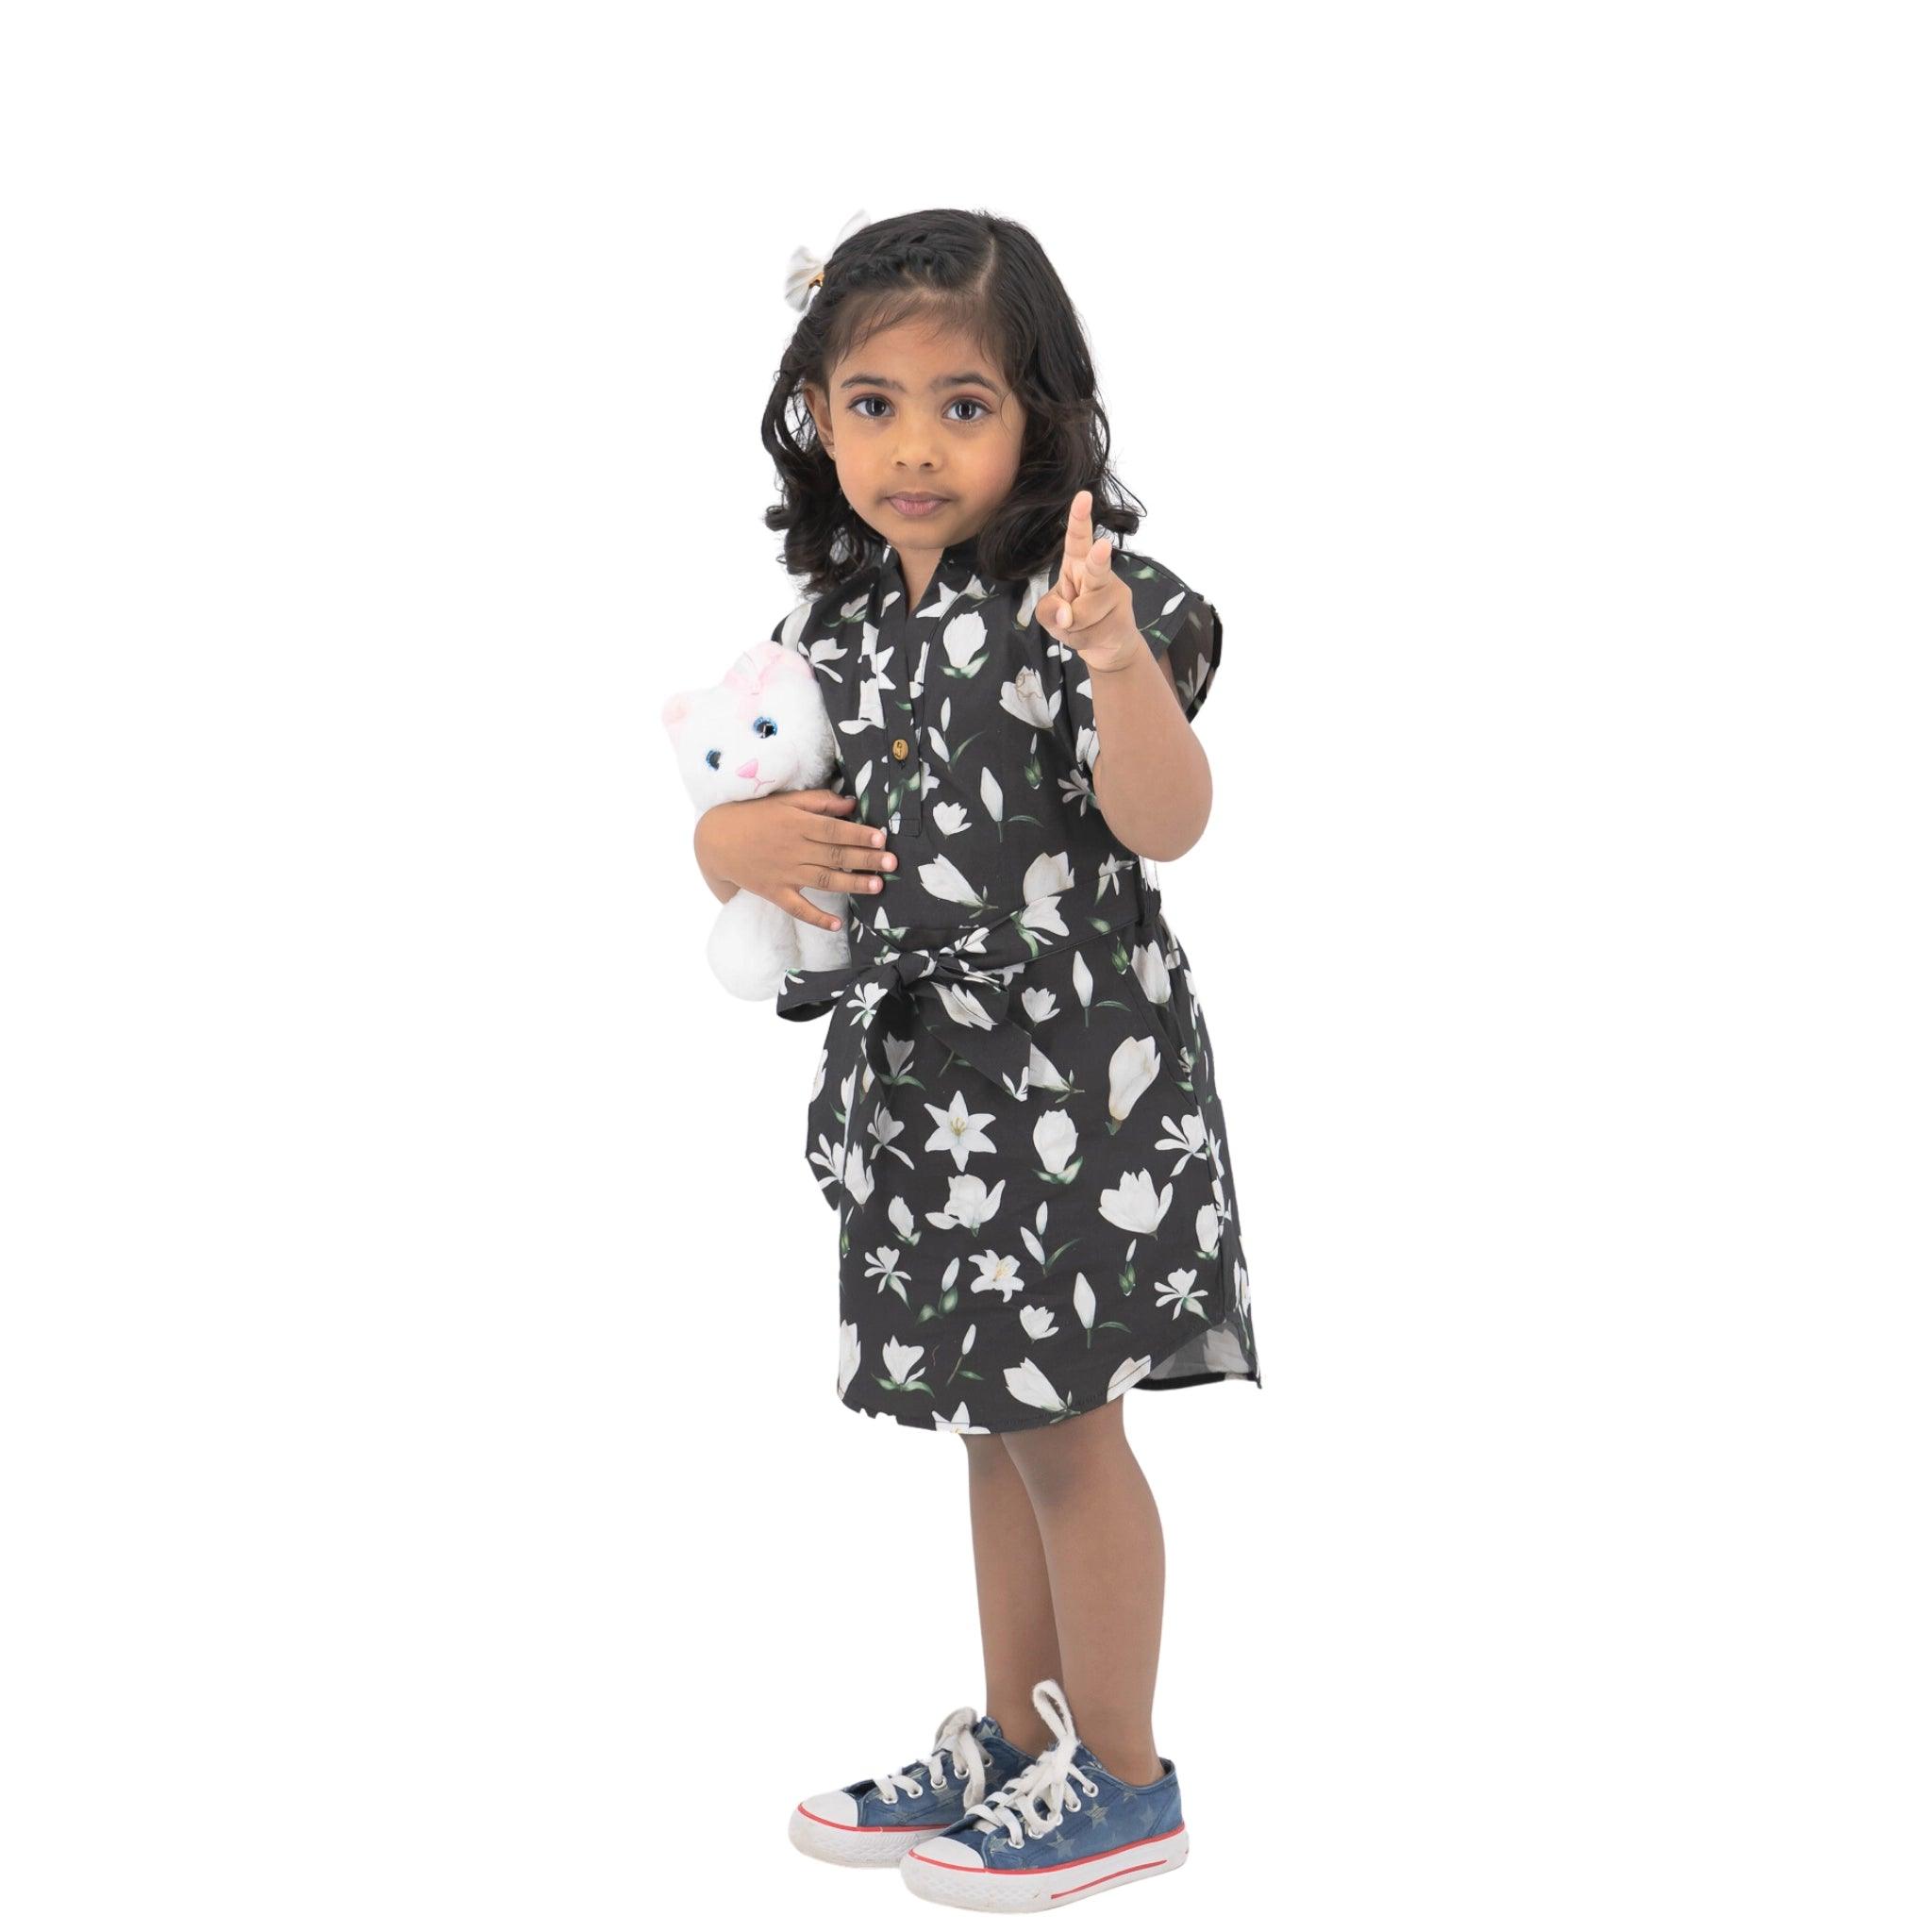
[1064, 1829]
[872, 1821]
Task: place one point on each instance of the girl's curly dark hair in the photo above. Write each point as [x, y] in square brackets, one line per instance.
[988, 278]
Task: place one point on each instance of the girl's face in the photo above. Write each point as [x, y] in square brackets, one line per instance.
[921, 412]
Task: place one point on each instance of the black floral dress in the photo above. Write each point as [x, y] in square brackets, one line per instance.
[1015, 1115]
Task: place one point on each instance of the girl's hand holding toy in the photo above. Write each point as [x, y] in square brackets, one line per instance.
[778, 845]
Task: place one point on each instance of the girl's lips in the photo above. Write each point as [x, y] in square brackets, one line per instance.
[915, 505]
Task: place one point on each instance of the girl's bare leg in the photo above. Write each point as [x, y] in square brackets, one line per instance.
[1016, 1615]
[1107, 1564]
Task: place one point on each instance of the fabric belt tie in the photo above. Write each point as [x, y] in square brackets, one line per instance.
[964, 984]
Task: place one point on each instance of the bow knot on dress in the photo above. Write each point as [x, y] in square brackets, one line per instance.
[966, 981]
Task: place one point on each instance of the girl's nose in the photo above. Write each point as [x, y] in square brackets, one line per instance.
[749, 769]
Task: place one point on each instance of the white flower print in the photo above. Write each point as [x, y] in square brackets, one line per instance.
[1150, 969]
[1039, 1002]
[1038, 1323]
[1026, 699]
[848, 1355]
[949, 815]
[1040, 1072]
[1083, 981]
[1130, 1072]
[1085, 1307]
[998, 1273]
[1035, 1245]
[1055, 1137]
[1048, 875]
[958, 1131]
[991, 795]
[957, 1423]
[859, 1179]
[867, 999]
[966, 1346]
[1134, 1204]
[1179, 1290]
[901, 1217]
[1208, 1230]
[884, 1129]
[1187, 1135]
[1128, 1375]
[901, 1359]
[945, 880]
[1031, 1385]
[963, 1006]
[830, 1156]
[884, 1262]
[871, 712]
[968, 1202]
[963, 639]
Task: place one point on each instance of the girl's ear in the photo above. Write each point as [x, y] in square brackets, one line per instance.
[676, 710]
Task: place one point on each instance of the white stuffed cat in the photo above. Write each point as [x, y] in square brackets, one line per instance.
[763, 729]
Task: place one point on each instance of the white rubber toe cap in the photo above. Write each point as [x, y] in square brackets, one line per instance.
[832, 1807]
[952, 1852]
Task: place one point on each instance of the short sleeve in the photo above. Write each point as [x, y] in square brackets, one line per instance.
[789, 629]
[1180, 624]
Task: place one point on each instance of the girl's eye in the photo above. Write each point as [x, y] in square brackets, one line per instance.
[971, 401]
[765, 727]
[712, 758]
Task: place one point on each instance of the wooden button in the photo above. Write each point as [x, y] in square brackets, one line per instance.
[900, 747]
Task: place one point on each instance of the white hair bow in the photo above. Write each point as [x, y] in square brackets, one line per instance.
[808, 270]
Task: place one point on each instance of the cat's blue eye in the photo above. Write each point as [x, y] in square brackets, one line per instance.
[765, 727]
[712, 758]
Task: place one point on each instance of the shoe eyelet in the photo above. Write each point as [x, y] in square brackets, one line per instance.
[917, 1791]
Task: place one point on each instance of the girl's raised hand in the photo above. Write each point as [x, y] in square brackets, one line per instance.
[777, 845]
[1089, 605]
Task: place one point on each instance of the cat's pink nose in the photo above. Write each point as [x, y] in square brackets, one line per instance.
[749, 769]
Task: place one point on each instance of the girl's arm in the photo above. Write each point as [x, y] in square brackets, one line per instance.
[1150, 777]
[703, 839]
[1152, 780]
[781, 843]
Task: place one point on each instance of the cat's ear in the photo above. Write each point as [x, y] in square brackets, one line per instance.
[676, 710]
[766, 663]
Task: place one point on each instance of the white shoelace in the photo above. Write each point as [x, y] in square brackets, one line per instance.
[956, 1737]
[1034, 1799]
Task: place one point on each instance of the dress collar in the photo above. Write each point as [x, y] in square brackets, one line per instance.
[958, 562]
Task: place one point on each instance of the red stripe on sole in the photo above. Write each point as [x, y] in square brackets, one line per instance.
[1034, 1871]
[1151, 1864]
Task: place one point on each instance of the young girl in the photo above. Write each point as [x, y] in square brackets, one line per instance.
[1015, 1116]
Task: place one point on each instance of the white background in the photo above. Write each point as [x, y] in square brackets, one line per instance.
[425, 1500]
